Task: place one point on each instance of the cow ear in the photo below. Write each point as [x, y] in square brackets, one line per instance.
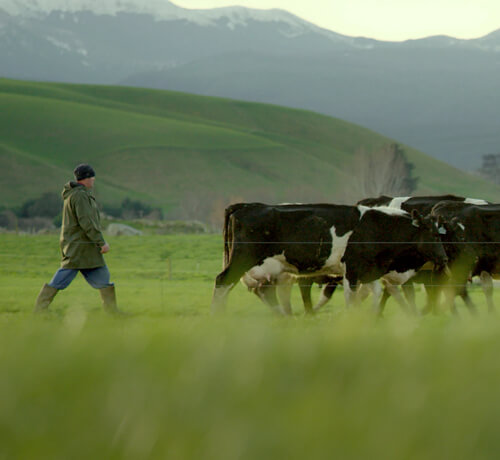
[455, 222]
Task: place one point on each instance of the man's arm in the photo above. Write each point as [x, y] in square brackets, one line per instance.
[89, 221]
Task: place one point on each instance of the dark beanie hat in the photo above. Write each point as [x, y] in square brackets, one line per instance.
[83, 171]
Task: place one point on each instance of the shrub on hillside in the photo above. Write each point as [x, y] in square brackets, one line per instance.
[132, 209]
[48, 205]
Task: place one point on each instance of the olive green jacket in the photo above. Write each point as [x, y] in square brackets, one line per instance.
[81, 236]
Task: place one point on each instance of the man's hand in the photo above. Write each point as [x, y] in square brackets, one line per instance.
[105, 248]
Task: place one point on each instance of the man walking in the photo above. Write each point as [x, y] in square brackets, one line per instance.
[82, 244]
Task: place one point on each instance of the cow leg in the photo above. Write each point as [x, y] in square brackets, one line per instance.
[305, 286]
[376, 290]
[396, 293]
[284, 291]
[326, 294]
[364, 290]
[431, 305]
[225, 282]
[267, 293]
[450, 293]
[464, 294]
[351, 293]
[409, 293]
[221, 290]
[436, 285]
[440, 284]
[348, 293]
[457, 282]
[383, 301]
[487, 285]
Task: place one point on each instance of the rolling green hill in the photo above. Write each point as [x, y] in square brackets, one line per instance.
[165, 148]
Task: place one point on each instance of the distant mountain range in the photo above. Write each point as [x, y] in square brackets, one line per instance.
[439, 94]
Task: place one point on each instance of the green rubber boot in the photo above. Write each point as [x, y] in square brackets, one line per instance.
[108, 296]
[44, 298]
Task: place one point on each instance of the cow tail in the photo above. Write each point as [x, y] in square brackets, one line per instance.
[229, 226]
[228, 231]
[227, 235]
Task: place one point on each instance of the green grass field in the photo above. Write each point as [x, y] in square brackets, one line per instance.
[164, 148]
[174, 382]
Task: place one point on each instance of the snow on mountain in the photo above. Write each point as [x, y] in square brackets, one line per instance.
[161, 10]
[238, 15]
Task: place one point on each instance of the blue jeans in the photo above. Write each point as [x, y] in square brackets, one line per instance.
[97, 277]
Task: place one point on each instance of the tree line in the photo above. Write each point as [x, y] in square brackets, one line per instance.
[45, 212]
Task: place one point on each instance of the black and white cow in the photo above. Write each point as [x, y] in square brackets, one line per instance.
[356, 242]
[474, 247]
[264, 282]
[424, 205]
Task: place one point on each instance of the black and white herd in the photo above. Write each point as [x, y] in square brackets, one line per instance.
[373, 247]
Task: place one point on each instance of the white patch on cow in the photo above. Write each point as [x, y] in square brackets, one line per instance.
[396, 278]
[384, 209]
[462, 226]
[442, 230]
[474, 201]
[398, 201]
[362, 209]
[339, 244]
[391, 211]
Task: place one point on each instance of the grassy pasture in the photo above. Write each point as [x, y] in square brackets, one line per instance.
[161, 146]
[174, 382]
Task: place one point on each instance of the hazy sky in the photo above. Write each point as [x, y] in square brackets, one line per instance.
[383, 19]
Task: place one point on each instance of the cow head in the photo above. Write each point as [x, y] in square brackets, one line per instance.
[457, 230]
[458, 238]
[429, 242]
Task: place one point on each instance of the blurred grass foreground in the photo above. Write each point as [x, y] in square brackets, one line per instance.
[174, 382]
